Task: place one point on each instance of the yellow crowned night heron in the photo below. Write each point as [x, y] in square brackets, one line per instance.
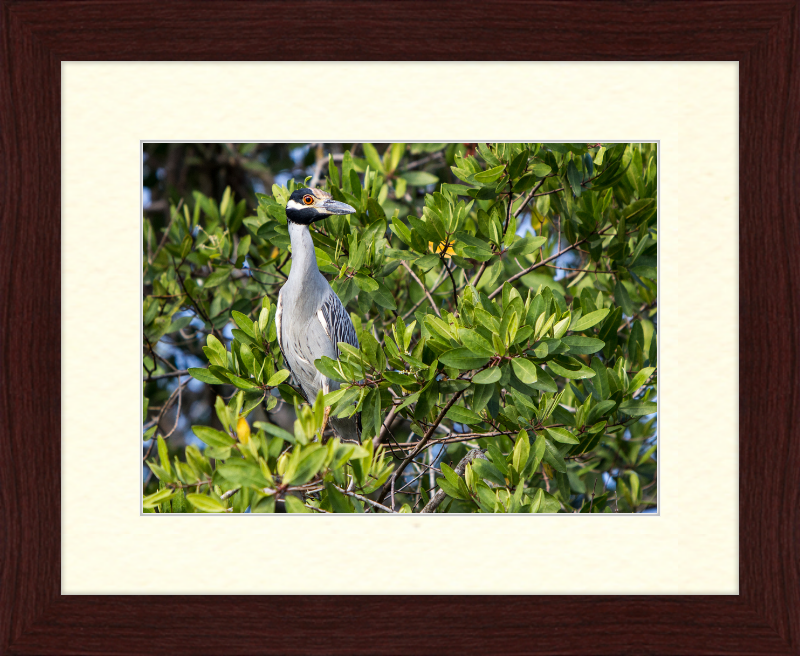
[310, 318]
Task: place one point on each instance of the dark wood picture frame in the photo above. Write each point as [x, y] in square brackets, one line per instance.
[37, 35]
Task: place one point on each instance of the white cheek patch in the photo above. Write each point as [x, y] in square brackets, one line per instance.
[294, 205]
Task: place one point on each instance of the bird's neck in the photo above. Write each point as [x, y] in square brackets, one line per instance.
[304, 261]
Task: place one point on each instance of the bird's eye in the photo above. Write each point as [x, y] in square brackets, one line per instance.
[308, 200]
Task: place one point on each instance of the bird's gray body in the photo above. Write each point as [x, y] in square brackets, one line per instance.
[311, 320]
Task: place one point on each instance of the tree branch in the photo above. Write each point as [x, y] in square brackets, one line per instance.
[459, 469]
[420, 283]
[387, 424]
[171, 374]
[442, 277]
[365, 499]
[516, 276]
[388, 484]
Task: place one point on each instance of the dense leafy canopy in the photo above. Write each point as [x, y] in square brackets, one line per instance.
[505, 300]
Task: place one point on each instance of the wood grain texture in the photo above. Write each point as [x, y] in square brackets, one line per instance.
[38, 34]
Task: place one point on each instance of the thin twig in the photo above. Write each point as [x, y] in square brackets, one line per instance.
[516, 276]
[458, 437]
[318, 509]
[442, 277]
[171, 374]
[164, 408]
[178, 411]
[426, 438]
[196, 305]
[452, 280]
[363, 498]
[387, 423]
[420, 283]
[424, 160]
[283, 264]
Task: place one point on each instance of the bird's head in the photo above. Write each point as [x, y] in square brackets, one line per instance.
[308, 205]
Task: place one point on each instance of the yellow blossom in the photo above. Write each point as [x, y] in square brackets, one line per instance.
[440, 248]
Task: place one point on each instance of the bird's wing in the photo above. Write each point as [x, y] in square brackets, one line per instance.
[278, 319]
[304, 344]
[336, 322]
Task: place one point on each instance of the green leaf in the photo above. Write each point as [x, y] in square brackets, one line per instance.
[487, 376]
[638, 380]
[481, 396]
[463, 358]
[277, 431]
[574, 177]
[537, 501]
[242, 472]
[623, 298]
[544, 382]
[205, 376]
[583, 345]
[217, 346]
[212, 436]
[561, 435]
[205, 503]
[552, 456]
[243, 383]
[249, 361]
[163, 455]
[179, 323]
[526, 246]
[295, 505]
[580, 370]
[329, 368]
[374, 160]
[339, 502]
[366, 283]
[638, 408]
[451, 490]
[561, 327]
[525, 370]
[522, 450]
[463, 415]
[419, 178]
[308, 467]
[244, 322]
[600, 381]
[589, 320]
[541, 169]
[449, 474]
[485, 469]
[490, 175]
[598, 411]
[153, 500]
[220, 275]
[475, 342]
[396, 154]
[517, 165]
[404, 380]
[383, 297]
[278, 377]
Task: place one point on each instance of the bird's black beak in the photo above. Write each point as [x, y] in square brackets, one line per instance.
[335, 207]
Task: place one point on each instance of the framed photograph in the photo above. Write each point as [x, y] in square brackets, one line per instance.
[710, 88]
[400, 328]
